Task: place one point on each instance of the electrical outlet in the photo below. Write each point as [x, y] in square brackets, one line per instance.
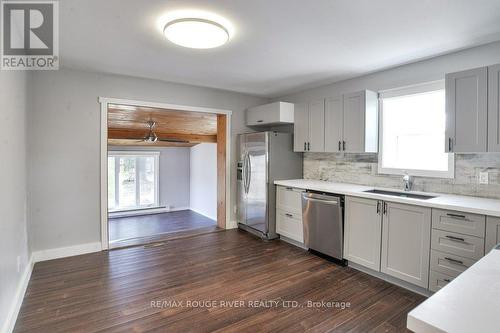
[483, 178]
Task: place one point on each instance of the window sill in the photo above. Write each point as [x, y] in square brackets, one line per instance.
[138, 211]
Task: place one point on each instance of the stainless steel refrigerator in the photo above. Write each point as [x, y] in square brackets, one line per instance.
[263, 158]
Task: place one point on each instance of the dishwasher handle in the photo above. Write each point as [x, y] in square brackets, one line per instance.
[325, 202]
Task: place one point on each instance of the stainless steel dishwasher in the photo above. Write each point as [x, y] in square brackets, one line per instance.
[323, 218]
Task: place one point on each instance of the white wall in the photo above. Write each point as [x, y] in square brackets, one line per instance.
[203, 188]
[424, 71]
[13, 195]
[64, 144]
[173, 173]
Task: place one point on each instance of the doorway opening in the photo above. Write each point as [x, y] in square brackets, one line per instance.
[165, 173]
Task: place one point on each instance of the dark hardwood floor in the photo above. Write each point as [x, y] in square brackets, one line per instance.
[117, 291]
[143, 229]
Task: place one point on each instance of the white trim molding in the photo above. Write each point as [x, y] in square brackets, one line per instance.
[10, 321]
[63, 252]
[104, 102]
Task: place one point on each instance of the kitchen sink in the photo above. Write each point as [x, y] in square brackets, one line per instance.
[401, 194]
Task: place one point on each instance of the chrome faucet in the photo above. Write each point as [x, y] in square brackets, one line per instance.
[407, 182]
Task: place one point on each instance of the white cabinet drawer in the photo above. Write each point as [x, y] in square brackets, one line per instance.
[438, 280]
[463, 223]
[289, 225]
[461, 245]
[449, 264]
[289, 199]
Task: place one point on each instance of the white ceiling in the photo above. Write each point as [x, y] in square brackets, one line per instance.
[279, 46]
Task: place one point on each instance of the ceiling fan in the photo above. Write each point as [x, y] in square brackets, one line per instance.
[151, 137]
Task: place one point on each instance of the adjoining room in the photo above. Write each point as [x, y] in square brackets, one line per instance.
[162, 174]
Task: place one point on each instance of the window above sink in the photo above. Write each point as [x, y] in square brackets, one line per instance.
[412, 132]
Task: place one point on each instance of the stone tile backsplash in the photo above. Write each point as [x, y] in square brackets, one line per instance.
[362, 169]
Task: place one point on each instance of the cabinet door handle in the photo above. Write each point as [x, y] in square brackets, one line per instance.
[260, 121]
[455, 261]
[446, 280]
[343, 145]
[340, 145]
[289, 215]
[457, 216]
[385, 208]
[309, 146]
[458, 239]
[378, 207]
[289, 188]
[450, 144]
[305, 146]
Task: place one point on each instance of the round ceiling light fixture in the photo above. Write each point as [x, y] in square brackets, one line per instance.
[196, 33]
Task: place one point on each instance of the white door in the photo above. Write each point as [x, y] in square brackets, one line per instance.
[316, 126]
[334, 110]
[300, 127]
[406, 237]
[354, 122]
[466, 111]
[362, 234]
[494, 108]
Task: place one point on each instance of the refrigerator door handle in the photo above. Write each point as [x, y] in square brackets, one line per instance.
[249, 172]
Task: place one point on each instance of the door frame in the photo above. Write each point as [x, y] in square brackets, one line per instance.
[226, 153]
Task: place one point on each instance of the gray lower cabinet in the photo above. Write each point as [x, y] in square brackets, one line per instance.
[363, 228]
[467, 111]
[492, 233]
[406, 242]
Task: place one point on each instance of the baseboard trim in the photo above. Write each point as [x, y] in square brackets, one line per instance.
[198, 212]
[150, 211]
[63, 252]
[10, 322]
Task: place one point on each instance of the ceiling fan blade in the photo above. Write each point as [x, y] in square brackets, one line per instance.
[173, 140]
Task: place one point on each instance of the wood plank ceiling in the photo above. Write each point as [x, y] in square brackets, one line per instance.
[128, 126]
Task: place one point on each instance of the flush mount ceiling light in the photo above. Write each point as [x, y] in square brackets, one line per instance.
[196, 33]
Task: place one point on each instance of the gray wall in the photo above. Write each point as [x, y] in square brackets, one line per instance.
[362, 168]
[174, 174]
[13, 195]
[203, 189]
[64, 143]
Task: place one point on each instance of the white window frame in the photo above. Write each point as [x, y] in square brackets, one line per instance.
[129, 153]
[411, 90]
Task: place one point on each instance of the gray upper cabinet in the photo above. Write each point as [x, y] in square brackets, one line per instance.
[466, 111]
[301, 127]
[334, 124]
[309, 128]
[494, 108]
[351, 123]
[316, 126]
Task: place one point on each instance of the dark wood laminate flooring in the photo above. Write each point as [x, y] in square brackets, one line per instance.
[113, 291]
[134, 230]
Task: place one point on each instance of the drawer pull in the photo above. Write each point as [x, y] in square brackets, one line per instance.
[454, 261]
[458, 239]
[457, 216]
[446, 280]
[289, 215]
[289, 188]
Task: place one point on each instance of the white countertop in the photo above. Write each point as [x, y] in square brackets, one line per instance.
[469, 303]
[466, 204]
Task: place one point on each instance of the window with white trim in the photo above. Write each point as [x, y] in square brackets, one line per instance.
[132, 180]
[412, 132]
